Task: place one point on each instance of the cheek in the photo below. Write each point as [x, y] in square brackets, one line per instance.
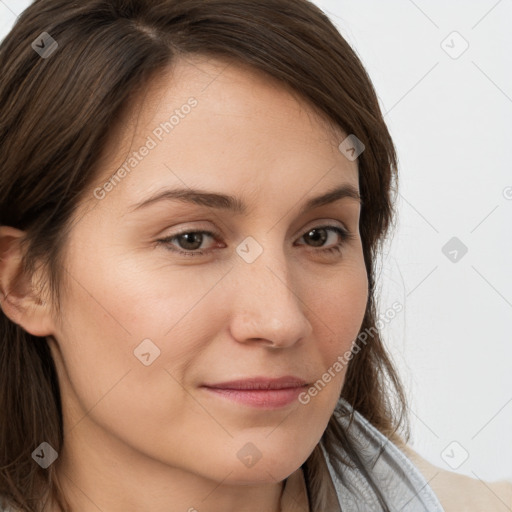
[118, 315]
[106, 381]
[339, 309]
[336, 311]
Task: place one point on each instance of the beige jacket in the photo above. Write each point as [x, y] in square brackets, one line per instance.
[460, 493]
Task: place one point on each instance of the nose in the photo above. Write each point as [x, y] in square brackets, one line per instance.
[268, 307]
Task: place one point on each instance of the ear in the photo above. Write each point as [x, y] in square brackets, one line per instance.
[20, 299]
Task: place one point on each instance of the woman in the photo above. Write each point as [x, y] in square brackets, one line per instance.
[175, 337]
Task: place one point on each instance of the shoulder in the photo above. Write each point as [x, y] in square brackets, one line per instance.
[460, 492]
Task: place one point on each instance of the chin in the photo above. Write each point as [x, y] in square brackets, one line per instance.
[261, 475]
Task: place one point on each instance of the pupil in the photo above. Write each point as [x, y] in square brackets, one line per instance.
[322, 238]
[189, 237]
[318, 236]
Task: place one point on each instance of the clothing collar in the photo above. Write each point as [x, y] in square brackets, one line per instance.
[401, 484]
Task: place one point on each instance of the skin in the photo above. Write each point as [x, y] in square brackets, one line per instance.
[148, 437]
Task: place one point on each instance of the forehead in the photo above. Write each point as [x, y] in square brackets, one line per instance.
[245, 129]
[225, 88]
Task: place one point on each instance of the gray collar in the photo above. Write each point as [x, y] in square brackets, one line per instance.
[400, 482]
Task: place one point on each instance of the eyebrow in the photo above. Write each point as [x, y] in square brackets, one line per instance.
[235, 205]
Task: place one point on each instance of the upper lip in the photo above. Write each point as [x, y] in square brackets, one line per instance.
[285, 382]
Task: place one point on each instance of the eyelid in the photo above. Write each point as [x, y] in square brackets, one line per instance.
[345, 234]
[316, 224]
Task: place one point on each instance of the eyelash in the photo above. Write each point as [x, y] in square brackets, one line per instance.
[345, 235]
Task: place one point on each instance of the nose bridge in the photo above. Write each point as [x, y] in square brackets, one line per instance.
[267, 306]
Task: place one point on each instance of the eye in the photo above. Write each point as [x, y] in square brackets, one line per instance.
[318, 236]
[192, 240]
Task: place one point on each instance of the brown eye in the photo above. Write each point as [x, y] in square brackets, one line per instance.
[188, 242]
[317, 237]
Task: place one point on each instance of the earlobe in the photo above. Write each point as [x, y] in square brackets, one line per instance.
[19, 300]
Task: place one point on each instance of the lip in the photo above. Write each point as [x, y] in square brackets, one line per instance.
[259, 383]
[262, 392]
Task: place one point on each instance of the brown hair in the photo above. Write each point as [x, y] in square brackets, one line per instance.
[56, 114]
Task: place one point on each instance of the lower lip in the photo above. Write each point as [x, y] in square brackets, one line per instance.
[263, 398]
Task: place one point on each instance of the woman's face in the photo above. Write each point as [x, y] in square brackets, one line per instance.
[144, 327]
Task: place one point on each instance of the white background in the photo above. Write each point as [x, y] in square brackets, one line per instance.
[451, 120]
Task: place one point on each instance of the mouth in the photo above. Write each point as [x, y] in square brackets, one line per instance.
[261, 392]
